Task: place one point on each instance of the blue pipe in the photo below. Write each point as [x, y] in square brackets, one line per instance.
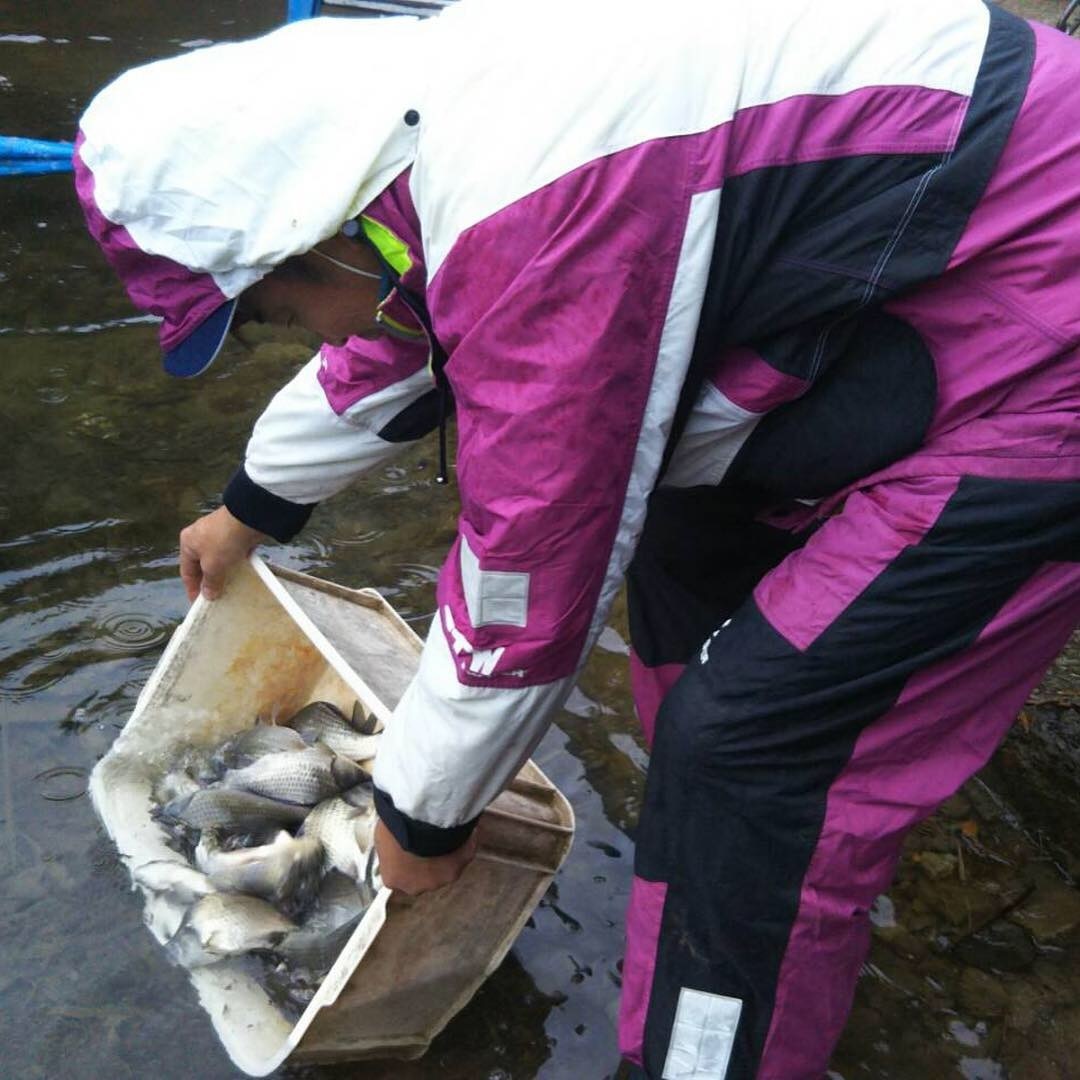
[31, 157]
[302, 9]
[11, 146]
[32, 168]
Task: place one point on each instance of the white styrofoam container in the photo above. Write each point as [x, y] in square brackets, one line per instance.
[274, 641]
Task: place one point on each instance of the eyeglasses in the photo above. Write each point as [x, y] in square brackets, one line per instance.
[345, 266]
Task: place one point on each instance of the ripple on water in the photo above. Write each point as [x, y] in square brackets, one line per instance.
[54, 391]
[415, 575]
[125, 632]
[308, 549]
[107, 714]
[51, 395]
[40, 648]
[61, 532]
[39, 673]
[62, 783]
[357, 539]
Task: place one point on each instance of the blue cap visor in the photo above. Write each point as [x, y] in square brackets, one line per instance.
[197, 351]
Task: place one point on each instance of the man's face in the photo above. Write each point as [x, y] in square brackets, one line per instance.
[317, 295]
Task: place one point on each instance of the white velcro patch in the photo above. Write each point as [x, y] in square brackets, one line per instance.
[702, 1036]
[493, 597]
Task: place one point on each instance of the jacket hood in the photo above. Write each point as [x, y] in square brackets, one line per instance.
[230, 159]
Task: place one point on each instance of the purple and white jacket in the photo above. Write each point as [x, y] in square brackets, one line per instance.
[602, 201]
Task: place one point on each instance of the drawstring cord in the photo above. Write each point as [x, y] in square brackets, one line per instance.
[440, 382]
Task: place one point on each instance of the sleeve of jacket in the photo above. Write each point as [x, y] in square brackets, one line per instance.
[347, 410]
[569, 323]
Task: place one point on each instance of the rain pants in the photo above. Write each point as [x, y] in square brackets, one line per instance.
[778, 302]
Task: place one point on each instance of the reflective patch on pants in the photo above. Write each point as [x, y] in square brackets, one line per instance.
[702, 1036]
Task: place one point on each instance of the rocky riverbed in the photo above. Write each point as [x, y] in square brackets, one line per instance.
[975, 964]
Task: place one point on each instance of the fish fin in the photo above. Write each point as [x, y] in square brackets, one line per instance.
[364, 720]
[344, 771]
[359, 795]
[309, 735]
[359, 718]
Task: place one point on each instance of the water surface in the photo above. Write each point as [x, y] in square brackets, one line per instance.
[105, 460]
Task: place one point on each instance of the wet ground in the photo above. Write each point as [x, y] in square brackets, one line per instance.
[975, 969]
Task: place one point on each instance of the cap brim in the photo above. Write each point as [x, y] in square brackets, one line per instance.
[198, 350]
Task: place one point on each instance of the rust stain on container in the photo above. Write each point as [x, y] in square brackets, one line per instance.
[279, 693]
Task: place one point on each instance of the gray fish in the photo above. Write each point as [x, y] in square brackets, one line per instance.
[311, 952]
[322, 722]
[286, 872]
[346, 832]
[175, 887]
[361, 796]
[317, 942]
[305, 777]
[236, 811]
[290, 987]
[226, 924]
[253, 743]
[174, 879]
[339, 901]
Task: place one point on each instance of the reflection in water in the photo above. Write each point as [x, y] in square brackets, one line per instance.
[974, 970]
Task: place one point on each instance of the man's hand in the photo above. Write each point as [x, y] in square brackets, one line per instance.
[210, 547]
[414, 874]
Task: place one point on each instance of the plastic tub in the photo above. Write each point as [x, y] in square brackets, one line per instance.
[273, 642]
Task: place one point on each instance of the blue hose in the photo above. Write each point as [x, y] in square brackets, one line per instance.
[302, 9]
[32, 168]
[30, 157]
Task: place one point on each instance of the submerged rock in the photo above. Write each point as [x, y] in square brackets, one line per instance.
[1051, 1053]
[936, 865]
[1001, 946]
[969, 906]
[981, 995]
[1051, 914]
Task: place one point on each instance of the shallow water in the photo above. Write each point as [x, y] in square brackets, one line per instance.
[106, 459]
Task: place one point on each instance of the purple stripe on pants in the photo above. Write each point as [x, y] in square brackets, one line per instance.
[943, 728]
[643, 917]
[650, 686]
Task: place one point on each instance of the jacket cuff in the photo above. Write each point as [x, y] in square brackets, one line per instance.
[263, 510]
[418, 837]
